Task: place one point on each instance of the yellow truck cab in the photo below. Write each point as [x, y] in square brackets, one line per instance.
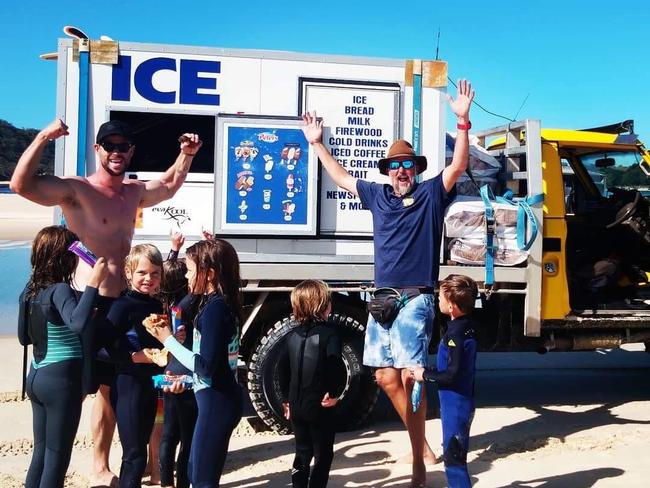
[585, 282]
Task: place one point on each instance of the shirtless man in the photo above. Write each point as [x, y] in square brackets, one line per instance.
[101, 210]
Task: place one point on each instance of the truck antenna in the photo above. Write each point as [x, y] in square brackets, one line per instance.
[521, 106]
[438, 45]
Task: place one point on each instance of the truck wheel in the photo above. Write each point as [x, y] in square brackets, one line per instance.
[357, 383]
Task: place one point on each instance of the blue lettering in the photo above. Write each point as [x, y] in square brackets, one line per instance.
[191, 82]
[121, 89]
[143, 79]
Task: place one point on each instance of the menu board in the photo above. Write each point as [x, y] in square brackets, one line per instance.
[360, 122]
[266, 175]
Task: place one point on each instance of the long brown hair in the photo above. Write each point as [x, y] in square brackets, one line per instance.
[51, 261]
[221, 257]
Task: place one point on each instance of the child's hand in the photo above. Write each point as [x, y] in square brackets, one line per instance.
[286, 411]
[178, 240]
[328, 402]
[176, 387]
[180, 334]
[99, 273]
[207, 235]
[417, 373]
[140, 358]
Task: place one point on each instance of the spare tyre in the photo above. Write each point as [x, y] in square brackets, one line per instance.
[359, 390]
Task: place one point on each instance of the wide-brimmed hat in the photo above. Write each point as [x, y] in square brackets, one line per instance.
[402, 150]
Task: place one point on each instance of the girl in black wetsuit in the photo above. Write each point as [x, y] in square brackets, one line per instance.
[133, 397]
[180, 409]
[57, 317]
[213, 276]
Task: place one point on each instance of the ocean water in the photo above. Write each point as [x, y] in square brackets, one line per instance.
[14, 272]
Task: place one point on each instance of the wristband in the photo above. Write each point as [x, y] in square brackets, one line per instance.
[466, 126]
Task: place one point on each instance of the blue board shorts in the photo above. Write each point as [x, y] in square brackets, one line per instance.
[405, 341]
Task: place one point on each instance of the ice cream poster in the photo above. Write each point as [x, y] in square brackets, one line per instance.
[267, 174]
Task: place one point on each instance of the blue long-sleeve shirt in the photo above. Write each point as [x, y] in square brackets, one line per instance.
[213, 359]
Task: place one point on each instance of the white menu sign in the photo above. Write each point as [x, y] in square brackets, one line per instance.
[361, 120]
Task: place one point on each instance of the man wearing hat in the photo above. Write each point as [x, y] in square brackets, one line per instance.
[407, 226]
[101, 210]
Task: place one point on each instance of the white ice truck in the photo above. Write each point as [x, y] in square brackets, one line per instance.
[256, 182]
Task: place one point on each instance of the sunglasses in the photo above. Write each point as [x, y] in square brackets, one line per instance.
[408, 164]
[120, 147]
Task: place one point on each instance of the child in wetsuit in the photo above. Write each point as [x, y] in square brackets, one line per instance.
[314, 349]
[134, 397]
[454, 375]
[55, 319]
[180, 409]
[213, 279]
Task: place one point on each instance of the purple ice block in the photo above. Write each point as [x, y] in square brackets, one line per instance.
[85, 254]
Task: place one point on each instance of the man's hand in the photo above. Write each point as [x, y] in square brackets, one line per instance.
[178, 239]
[55, 130]
[463, 101]
[417, 373]
[328, 402]
[190, 144]
[99, 273]
[286, 411]
[312, 128]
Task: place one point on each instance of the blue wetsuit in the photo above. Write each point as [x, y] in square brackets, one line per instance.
[133, 396]
[213, 361]
[57, 319]
[455, 378]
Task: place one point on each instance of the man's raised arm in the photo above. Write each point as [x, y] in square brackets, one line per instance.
[313, 130]
[460, 107]
[171, 180]
[45, 190]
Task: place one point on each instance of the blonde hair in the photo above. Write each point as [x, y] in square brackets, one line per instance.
[460, 290]
[140, 251]
[309, 300]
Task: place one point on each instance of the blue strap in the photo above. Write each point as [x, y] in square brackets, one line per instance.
[486, 195]
[524, 214]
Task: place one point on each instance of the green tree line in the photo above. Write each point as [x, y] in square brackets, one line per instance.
[13, 141]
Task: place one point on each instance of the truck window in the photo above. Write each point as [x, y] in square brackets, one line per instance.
[615, 170]
[157, 139]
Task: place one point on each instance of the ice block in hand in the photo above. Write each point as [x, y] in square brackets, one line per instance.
[161, 380]
[85, 254]
[415, 395]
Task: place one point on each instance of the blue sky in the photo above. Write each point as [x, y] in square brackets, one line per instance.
[581, 64]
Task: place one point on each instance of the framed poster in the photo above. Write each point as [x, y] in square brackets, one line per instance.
[361, 120]
[265, 177]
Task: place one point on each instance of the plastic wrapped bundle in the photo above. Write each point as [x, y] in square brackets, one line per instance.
[465, 218]
[472, 251]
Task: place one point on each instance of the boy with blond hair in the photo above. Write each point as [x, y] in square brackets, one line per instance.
[313, 351]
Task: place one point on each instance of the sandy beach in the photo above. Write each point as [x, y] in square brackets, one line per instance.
[546, 442]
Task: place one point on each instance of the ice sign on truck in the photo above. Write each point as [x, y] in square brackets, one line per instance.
[195, 77]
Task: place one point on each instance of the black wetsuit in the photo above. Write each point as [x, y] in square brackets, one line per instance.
[57, 319]
[133, 396]
[313, 352]
[180, 416]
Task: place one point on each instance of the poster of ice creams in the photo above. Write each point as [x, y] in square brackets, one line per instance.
[266, 177]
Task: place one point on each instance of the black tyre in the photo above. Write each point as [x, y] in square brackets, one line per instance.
[357, 383]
